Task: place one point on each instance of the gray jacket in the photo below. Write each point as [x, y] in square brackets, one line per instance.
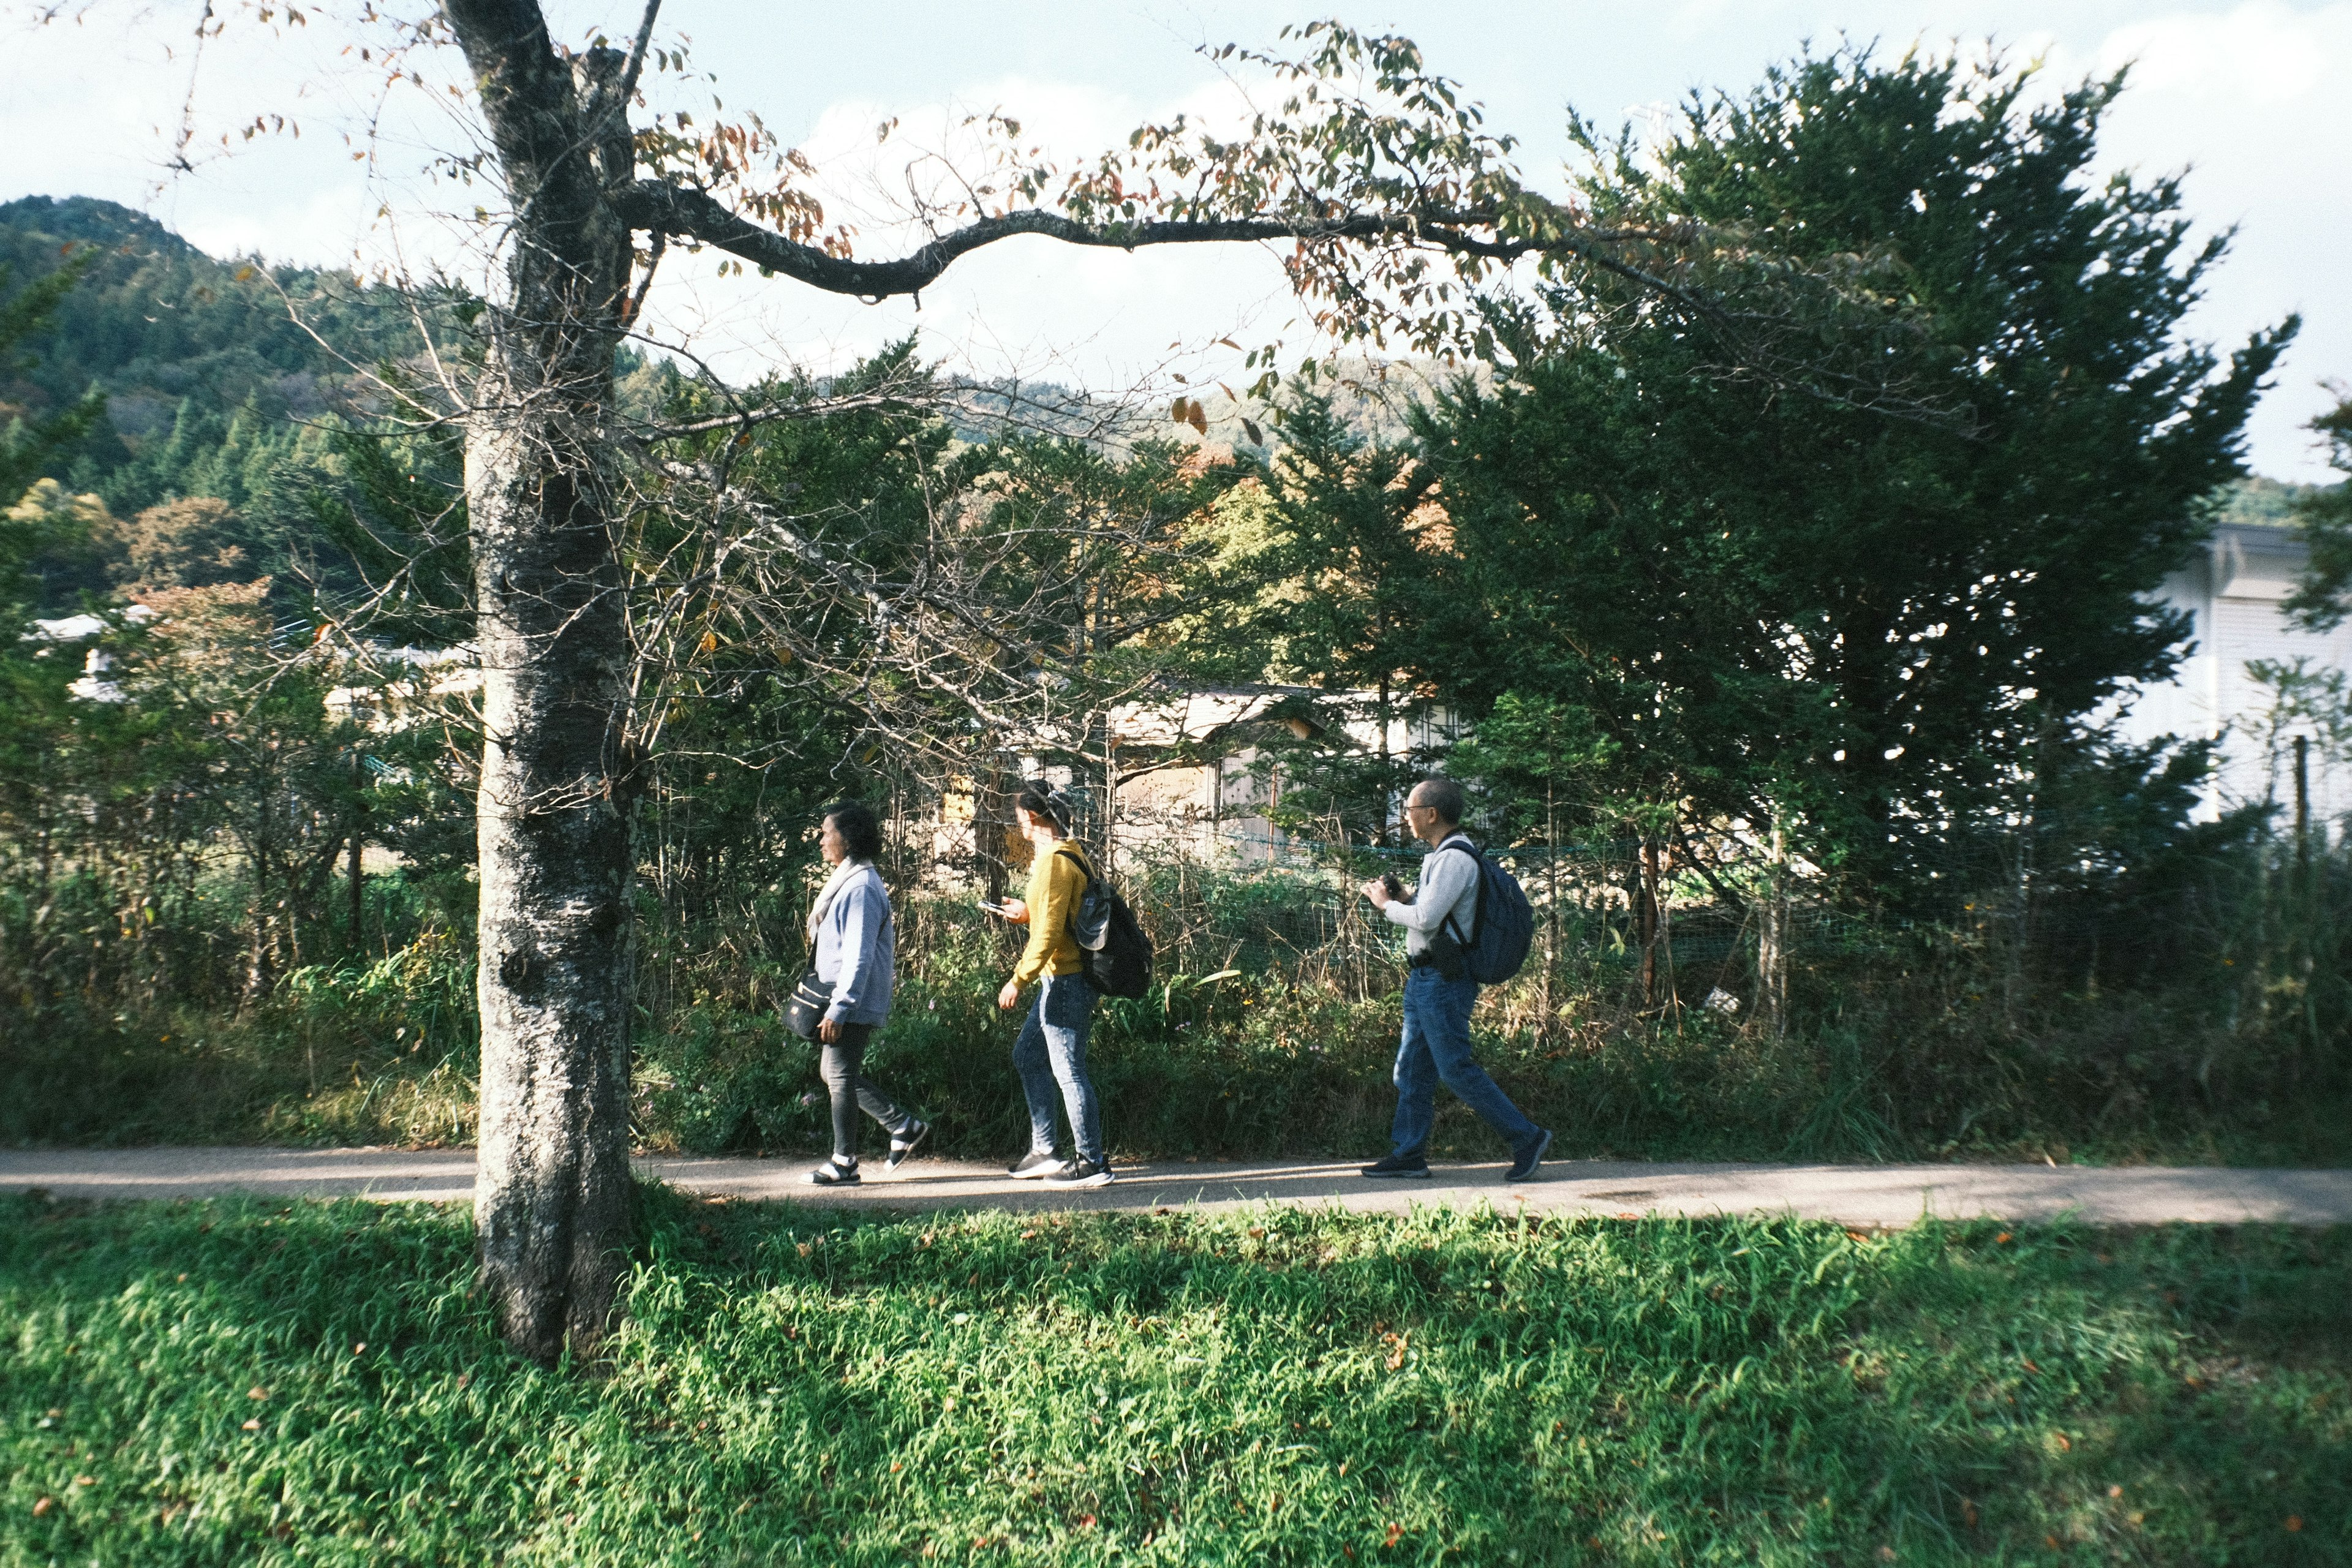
[857, 950]
[1448, 886]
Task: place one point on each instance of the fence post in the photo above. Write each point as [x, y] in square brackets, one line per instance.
[359, 835]
[1646, 917]
[1773, 943]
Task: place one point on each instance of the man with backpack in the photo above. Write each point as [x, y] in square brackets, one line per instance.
[1459, 892]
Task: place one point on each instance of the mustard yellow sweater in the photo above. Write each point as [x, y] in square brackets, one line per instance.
[1056, 882]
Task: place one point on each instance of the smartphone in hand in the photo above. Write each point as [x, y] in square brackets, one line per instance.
[997, 910]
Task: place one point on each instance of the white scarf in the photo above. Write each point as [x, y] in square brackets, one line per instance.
[832, 885]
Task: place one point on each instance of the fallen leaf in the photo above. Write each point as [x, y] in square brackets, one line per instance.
[1968, 1514]
[1257, 1233]
[2002, 1240]
[85, 1481]
[2294, 1522]
[1396, 1534]
[44, 1506]
[252, 1427]
[1086, 1521]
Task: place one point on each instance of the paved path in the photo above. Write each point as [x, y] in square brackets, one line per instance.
[1850, 1195]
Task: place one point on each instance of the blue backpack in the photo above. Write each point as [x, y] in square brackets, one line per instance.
[1501, 924]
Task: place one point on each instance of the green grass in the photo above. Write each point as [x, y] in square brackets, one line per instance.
[239, 1382]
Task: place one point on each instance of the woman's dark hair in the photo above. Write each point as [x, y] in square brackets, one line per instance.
[860, 829]
[1037, 795]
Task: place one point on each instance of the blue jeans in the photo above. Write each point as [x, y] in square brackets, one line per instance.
[1436, 1050]
[1051, 1057]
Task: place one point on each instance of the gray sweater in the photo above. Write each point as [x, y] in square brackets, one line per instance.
[856, 949]
[1448, 886]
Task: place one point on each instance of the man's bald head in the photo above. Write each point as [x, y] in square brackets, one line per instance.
[1443, 796]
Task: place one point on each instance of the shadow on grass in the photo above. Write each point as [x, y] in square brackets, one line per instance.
[241, 1381]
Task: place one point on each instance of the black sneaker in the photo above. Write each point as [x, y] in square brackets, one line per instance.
[1527, 1156]
[1411, 1166]
[1035, 1165]
[1081, 1174]
[903, 1143]
[833, 1174]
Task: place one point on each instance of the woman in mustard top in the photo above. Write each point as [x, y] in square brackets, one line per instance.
[1051, 1054]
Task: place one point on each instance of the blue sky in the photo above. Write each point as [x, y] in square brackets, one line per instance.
[2253, 97]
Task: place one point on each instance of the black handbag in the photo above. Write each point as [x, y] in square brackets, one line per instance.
[804, 1008]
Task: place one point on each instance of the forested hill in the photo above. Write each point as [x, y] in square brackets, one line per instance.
[167, 331]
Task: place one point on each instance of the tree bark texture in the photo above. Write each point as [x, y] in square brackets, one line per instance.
[551, 1196]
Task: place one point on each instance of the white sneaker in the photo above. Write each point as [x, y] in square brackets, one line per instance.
[1035, 1165]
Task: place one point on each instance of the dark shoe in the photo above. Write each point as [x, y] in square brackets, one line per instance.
[1081, 1174]
[1035, 1165]
[1527, 1156]
[833, 1174]
[903, 1143]
[1411, 1166]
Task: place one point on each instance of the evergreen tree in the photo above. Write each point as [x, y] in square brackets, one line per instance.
[1889, 607]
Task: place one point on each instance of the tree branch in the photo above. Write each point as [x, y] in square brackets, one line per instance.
[666, 209]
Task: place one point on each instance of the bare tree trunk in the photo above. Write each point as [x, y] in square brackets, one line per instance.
[550, 1198]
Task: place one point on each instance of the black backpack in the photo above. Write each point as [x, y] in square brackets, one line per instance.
[1501, 923]
[1113, 953]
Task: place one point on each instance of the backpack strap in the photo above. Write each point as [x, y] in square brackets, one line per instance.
[1077, 853]
[1478, 906]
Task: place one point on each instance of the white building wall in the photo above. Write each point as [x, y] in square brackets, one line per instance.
[2234, 590]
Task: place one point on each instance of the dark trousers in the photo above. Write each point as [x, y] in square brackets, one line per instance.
[839, 1066]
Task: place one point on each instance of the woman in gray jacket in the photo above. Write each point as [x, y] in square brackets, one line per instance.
[856, 949]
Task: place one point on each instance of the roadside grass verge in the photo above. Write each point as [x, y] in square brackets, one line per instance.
[1235, 1071]
[234, 1381]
